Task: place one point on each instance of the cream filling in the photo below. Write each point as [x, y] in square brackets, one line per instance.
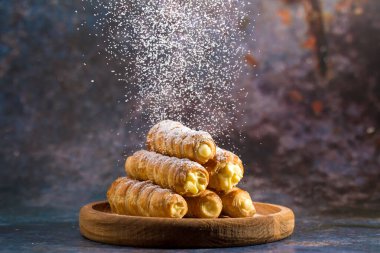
[246, 205]
[229, 176]
[210, 209]
[204, 150]
[195, 182]
[177, 210]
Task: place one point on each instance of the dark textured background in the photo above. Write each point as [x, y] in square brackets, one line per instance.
[311, 141]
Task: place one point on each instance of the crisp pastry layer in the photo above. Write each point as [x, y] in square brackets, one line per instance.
[225, 170]
[183, 176]
[174, 139]
[143, 198]
[206, 205]
[237, 203]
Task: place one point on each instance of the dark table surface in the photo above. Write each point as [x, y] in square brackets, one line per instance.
[37, 229]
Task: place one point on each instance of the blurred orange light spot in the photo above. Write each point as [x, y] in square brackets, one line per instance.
[251, 60]
[310, 42]
[285, 16]
[317, 107]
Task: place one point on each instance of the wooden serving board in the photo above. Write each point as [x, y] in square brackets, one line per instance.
[270, 223]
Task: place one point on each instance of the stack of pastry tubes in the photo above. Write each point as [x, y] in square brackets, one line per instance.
[181, 174]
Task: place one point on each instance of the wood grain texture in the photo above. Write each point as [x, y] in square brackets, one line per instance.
[270, 223]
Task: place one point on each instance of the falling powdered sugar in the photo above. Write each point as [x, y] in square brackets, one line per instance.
[183, 57]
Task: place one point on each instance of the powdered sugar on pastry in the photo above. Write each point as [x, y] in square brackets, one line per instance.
[183, 176]
[174, 139]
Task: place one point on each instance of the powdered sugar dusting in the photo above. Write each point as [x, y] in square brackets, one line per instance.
[183, 56]
[172, 138]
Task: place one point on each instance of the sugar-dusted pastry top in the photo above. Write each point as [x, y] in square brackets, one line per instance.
[237, 203]
[225, 170]
[143, 198]
[174, 139]
[183, 176]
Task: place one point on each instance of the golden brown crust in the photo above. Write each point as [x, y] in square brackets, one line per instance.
[183, 176]
[225, 170]
[111, 193]
[143, 198]
[174, 139]
[207, 205]
[237, 203]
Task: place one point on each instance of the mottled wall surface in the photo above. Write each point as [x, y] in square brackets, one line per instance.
[317, 137]
[312, 134]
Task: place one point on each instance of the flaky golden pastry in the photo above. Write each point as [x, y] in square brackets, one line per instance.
[143, 198]
[183, 176]
[174, 139]
[225, 170]
[237, 203]
[206, 205]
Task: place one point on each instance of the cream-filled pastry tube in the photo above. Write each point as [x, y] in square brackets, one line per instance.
[143, 198]
[174, 139]
[183, 176]
[206, 205]
[225, 170]
[237, 203]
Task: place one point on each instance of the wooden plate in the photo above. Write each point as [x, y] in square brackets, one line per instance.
[271, 223]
